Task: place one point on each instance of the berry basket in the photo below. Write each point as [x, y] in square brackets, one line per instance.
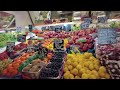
[31, 74]
[57, 73]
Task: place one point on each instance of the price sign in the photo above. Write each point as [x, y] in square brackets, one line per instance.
[18, 29]
[88, 20]
[74, 48]
[21, 38]
[84, 25]
[58, 28]
[107, 36]
[30, 28]
[10, 46]
[102, 19]
[58, 44]
[29, 49]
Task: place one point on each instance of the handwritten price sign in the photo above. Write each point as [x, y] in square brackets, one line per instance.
[21, 38]
[102, 19]
[84, 25]
[88, 20]
[107, 36]
[10, 46]
[59, 44]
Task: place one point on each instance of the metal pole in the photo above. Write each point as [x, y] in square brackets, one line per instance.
[30, 18]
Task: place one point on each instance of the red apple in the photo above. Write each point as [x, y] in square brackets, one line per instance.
[85, 48]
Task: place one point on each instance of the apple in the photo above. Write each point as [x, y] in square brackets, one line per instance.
[85, 48]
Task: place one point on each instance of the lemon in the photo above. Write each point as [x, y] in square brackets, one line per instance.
[107, 76]
[92, 58]
[86, 64]
[75, 71]
[102, 78]
[71, 71]
[79, 67]
[71, 76]
[68, 62]
[83, 70]
[70, 67]
[77, 77]
[66, 76]
[88, 71]
[85, 76]
[68, 72]
[101, 74]
[75, 64]
[87, 55]
[102, 69]
[92, 77]
[91, 67]
[96, 67]
[65, 69]
[94, 72]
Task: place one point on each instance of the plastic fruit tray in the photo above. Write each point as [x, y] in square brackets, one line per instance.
[59, 76]
[31, 75]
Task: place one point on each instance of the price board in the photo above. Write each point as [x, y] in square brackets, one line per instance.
[88, 20]
[10, 46]
[58, 28]
[84, 25]
[107, 36]
[58, 44]
[21, 38]
[102, 19]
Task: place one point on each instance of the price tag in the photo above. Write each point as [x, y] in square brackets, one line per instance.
[88, 20]
[84, 25]
[21, 38]
[30, 28]
[102, 19]
[10, 46]
[29, 49]
[18, 29]
[74, 48]
[58, 44]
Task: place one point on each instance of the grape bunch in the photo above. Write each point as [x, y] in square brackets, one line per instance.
[48, 73]
[54, 65]
[58, 60]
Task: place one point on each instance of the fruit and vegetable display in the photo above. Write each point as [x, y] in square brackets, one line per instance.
[4, 64]
[6, 37]
[61, 54]
[12, 68]
[84, 66]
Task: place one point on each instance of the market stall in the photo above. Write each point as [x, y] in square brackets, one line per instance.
[88, 49]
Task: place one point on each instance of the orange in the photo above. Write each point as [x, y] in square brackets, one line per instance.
[49, 56]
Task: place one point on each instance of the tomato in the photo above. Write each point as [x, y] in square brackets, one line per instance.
[4, 72]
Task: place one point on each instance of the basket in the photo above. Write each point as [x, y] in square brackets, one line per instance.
[31, 75]
[113, 68]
